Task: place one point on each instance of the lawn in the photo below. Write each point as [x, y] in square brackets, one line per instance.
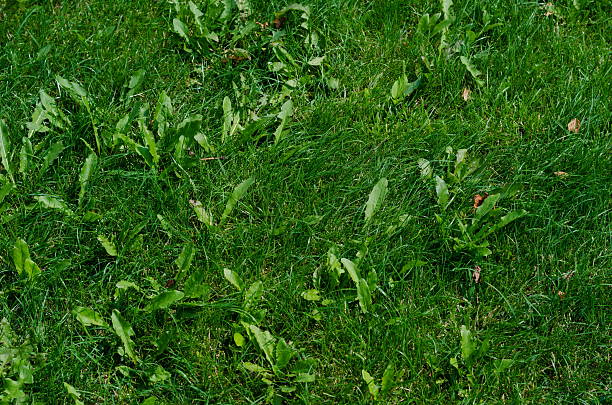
[249, 201]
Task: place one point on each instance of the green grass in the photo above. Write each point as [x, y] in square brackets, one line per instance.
[541, 307]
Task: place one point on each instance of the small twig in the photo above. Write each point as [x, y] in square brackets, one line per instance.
[214, 158]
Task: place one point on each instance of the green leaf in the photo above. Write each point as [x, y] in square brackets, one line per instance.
[284, 353]
[5, 190]
[388, 378]
[23, 262]
[5, 147]
[25, 155]
[164, 300]
[442, 193]
[228, 116]
[124, 330]
[202, 214]
[351, 268]
[266, 342]
[487, 205]
[505, 220]
[502, 365]
[72, 393]
[109, 246]
[311, 295]
[183, 262]
[233, 278]
[254, 368]
[285, 113]
[135, 82]
[239, 339]
[159, 375]
[85, 174]
[53, 203]
[364, 296]
[376, 198]
[181, 29]
[426, 169]
[467, 344]
[305, 378]
[334, 266]
[252, 295]
[472, 69]
[316, 61]
[88, 317]
[195, 287]
[372, 387]
[236, 195]
[54, 151]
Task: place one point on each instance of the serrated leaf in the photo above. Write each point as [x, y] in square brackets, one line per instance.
[195, 287]
[5, 148]
[351, 268]
[236, 195]
[376, 198]
[233, 278]
[183, 262]
[109, 246]
[86, 172]
[265, 341]
[442, 193]
[159, 375]
[311, 295]
[124, 330]
[372, 387]
[364, 296]
[164, 300]
[73, 393]
[88, 317]
[252, 295]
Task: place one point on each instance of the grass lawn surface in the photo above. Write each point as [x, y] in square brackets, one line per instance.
[249, 201]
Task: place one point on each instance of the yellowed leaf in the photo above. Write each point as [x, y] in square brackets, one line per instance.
[560, 174]
[466, 93]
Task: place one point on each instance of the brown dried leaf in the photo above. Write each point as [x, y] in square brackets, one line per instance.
[479, 199]
[465, 94]
[550, 9]
[574, 125]
[560, 174]
[476, 274]
[561, 294]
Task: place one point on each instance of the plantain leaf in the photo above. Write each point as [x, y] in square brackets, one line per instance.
[351, 268]
[183, 262]
[236, 195]
[124, 330]
[53, 203]
[364, 296]
[372, 387]
[265, 341]
[88, 317]
[234, 279]
[376, 198]
[442, 193]
[86, 172]
[5, 150]
[109, 246]
[164, 300]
